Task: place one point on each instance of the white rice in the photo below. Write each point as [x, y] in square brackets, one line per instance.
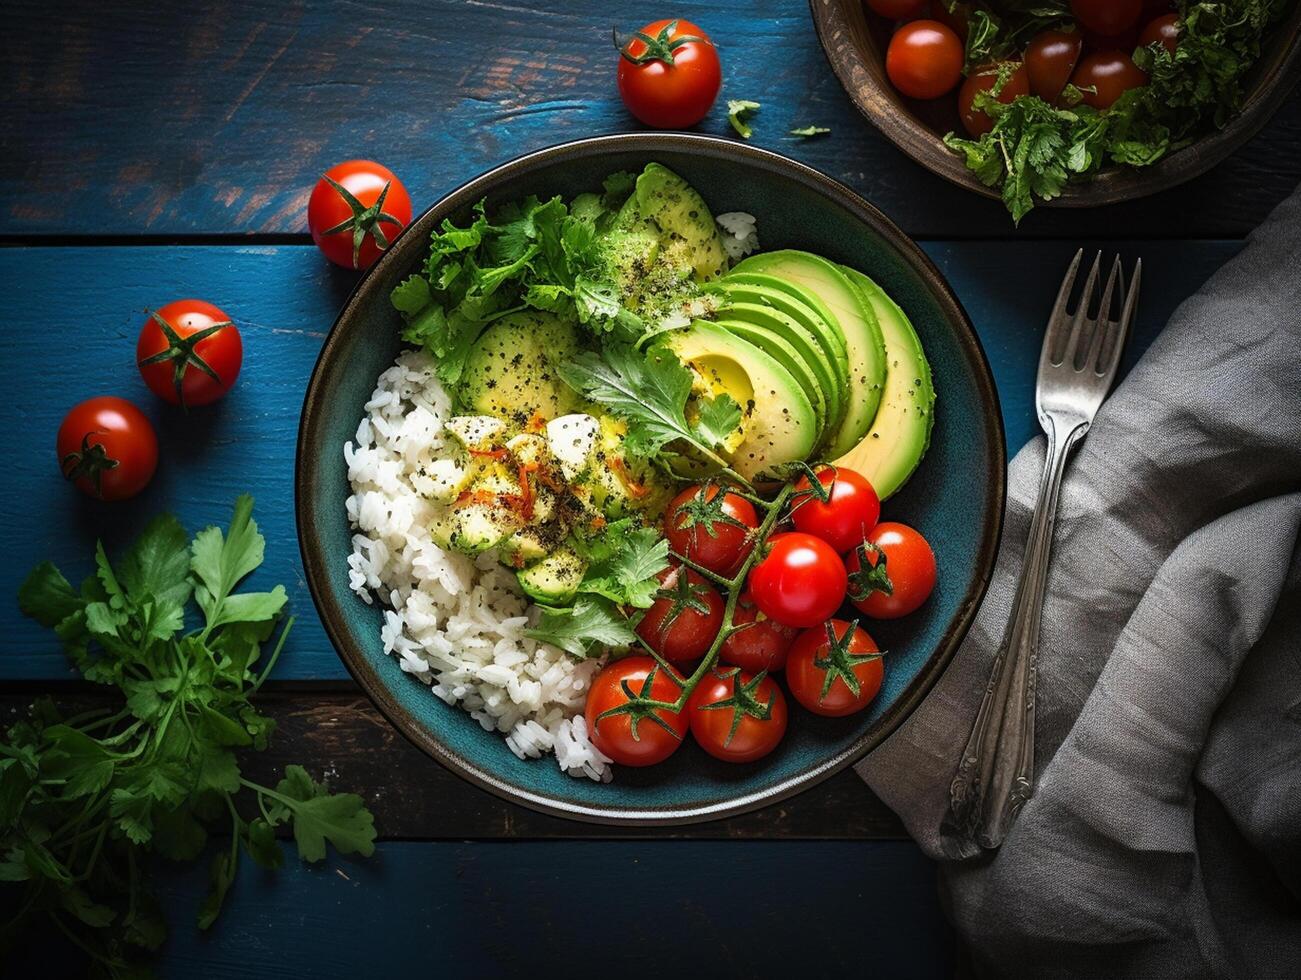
[456, 623]
[740, 234]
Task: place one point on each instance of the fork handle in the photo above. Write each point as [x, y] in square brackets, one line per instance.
[996, 773]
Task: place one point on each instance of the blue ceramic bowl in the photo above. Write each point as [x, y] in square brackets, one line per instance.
[955, 497]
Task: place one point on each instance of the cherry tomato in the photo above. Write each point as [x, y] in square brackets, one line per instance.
[1126, 40]
[711, 528]
[669, 74]
[189, 353]
[924, 59]
[685, 617]
[630, 734]
[892, 573]
[1107, 17]
[850, 511]
[107, 448]
[958, 20]
[735, 716]
[356, 209]
[976, 121]
[1050, 59]
[761, 644]
[834, 669]
[898, 9]
[800, 581]
[1105, 76]
[1163, 30]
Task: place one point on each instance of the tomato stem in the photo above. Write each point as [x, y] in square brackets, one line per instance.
[662, 47]
[182, 353]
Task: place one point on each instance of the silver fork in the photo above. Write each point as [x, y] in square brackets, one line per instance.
[1077, 366]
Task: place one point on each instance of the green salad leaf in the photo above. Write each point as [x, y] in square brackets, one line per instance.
[85, 800]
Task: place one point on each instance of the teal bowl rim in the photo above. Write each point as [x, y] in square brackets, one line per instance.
[414, 236]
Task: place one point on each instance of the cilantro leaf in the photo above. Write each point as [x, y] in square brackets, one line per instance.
[584, 629]
[623, 566]
[319, 815]
[804, 132]
[46, 596]
[738, 110]
[716, 419]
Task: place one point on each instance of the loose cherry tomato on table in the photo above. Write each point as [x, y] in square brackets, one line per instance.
[669, 74]
[630, 733]
[356, 209]
[1050, 58]
[1105, 76]
[850, 510]
[1107, 17]
[189, 353]
[685, 617]
[761, 643]
[107, 448]
[924, 59]
[1163, 30]
[736, 716]
[710, 527]
[898, 9]
[892, 573]
[834, 669]
[976, 121]
[800, 581]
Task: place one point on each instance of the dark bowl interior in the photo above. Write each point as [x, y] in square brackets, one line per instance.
[855, 42]
[956, 497]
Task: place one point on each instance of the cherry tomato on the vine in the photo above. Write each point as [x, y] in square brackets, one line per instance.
[898, 9]
[761, 643]
[710, 527]
[800, 581]
[1105, 76]
[975, 120]
[850, 510]
[1164, 30]
[357, 208]
[1107, 17]
[630, 733]
[1050, 59]
[669, 75]
[107, 448]
[189, 352]
[834, 669]
[736, 716]
[685, 617]
[892, 573]
[924, 59]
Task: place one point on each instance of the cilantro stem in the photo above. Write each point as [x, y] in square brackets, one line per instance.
[275, 654]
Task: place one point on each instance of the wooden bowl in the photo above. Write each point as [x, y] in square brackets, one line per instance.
[855, 42]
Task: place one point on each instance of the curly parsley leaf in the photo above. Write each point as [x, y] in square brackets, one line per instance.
[585, 629]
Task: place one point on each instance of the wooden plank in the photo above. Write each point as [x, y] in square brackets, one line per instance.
[173, 121]
[339, 736]
[284, 299]
[573, 909]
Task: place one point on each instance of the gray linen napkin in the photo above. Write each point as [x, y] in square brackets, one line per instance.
[1164, 835]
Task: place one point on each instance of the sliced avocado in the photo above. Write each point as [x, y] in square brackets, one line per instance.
[780, 424]
[681, 213]
[471, 528]
[443, 479]
[789, 329]
[901, 432]
[781, 351]
[511, 372]
[555, 579]
[524, 547]
[616, 484]
[863, 346]
[801, 305]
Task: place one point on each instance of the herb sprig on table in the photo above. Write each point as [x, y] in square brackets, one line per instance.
[1034, 148]
[86, 800]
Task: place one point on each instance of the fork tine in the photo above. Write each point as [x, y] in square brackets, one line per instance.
[1104, 321]
[1082, 311]
[1057, 318]
[1107, 368]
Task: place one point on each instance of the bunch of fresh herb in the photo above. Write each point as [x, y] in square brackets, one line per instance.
[1035, 148]
[86, 800]
[531, 253]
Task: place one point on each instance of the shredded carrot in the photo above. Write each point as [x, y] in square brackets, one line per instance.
[536, 423]
[635, 490]
[470, 497]
[526, 490]
[498, 454]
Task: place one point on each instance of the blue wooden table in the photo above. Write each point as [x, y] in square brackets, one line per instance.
[153, 154]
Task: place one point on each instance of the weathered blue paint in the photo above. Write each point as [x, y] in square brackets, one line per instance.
[577, 909]
[72, 316]
[176, 118]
